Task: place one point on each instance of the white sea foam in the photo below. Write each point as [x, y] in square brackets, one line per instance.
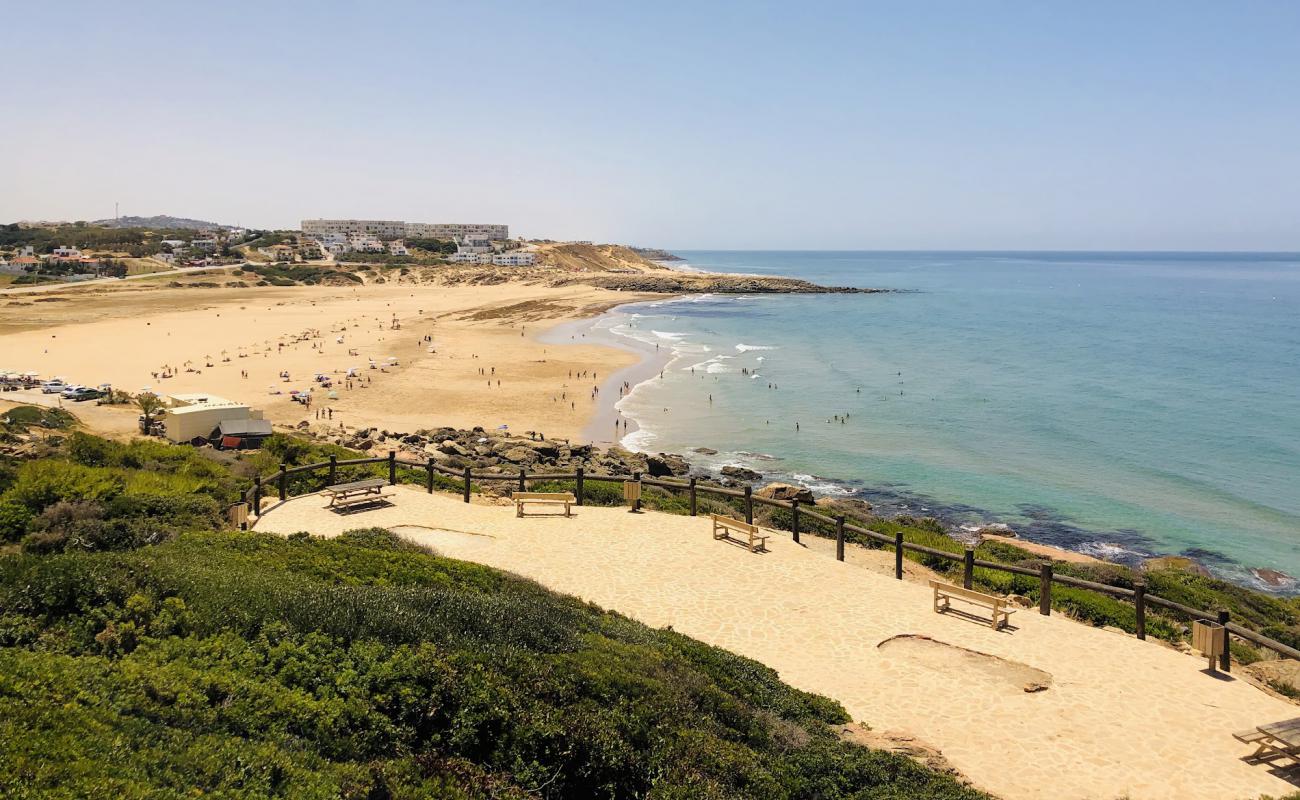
[639, 440]
[671, 336]
[745, 348]
[820, 485]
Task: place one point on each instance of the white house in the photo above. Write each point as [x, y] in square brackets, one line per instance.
[515, 258]
[194, 416]
[365, 243]
[66, 252]
[398, 248]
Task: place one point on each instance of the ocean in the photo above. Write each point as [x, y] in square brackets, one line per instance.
[1118, 404]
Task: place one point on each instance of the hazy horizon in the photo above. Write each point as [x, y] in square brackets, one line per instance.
[954, 126]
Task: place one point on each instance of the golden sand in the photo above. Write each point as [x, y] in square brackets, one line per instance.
[484, 365]
[1120, 717]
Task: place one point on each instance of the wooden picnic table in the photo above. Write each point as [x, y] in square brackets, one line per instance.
[1274, 739]
[344, 494]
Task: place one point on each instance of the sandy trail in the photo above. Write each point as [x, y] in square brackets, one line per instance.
[1120, 717]
[488, 368]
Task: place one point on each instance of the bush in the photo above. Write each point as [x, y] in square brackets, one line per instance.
[252, 665]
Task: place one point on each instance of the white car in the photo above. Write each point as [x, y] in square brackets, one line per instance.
[53, 387]
[71, 389]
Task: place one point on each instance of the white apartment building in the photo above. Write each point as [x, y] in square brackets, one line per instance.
[515, 258]
[316, 228]
[470, 258]
[473, 244]
[398, 248]
[396, 229]
[437, 230]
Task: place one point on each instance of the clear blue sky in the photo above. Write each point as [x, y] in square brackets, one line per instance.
[964, 124]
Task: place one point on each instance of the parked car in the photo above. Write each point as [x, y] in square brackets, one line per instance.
[71, 388]
[53, 387]
[84, 393]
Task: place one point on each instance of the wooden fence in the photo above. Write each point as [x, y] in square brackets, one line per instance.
[1138, 596]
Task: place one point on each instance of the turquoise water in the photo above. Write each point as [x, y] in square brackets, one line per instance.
[1120, 404]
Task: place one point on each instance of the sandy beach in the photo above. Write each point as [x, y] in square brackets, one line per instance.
[465, 355]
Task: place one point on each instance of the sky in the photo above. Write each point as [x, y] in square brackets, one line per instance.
[968, 124]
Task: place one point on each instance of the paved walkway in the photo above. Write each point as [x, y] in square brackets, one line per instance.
[1119, 717]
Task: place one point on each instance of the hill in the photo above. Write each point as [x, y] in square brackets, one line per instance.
[159, 221]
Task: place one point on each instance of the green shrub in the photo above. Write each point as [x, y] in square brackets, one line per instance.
[252, 665]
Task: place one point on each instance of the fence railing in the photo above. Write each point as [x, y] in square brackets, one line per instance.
[1138, 596]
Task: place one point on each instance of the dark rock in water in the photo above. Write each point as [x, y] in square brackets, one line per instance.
[786, 492]
[740, 473]
[706, 451]
[1272, 577]
[1176, 563]
[666, 465]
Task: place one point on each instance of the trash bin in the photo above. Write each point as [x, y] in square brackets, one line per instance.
[1208, 638]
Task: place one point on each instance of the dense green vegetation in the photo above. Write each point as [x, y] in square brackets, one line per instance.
[294, 274]
[249, 665]
[434, 246]
[137, 242]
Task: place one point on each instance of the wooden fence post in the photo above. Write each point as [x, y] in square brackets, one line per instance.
[284, 482]
[581, 491]
[898, 555]
[1045, 590]
[522, 485]
[1140, 605]
[257, 495]
[968, 567]
[749, 504]
[466, 484]
[693, 499]
[839, 538]
[392, 467]
[334, 469]
[428, 476]
[1225, 658]
[794, 520]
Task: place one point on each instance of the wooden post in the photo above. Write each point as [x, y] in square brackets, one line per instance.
[392, 467]
[898, 555]
[466, 484]
[968, 567]
[334, 469]
[636, 504]
[522, 485]
[1045, 590]
[257, 495]
[428, 476]
[749, 504]
[1140, 603]
[693, 506]
[1225, 658]
[284, 483]
[839, 538]
[794, 520]
[580, 488]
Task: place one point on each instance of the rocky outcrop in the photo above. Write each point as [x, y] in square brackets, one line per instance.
[740, 473]
[666, 465]
[786, 492]
[694, 283]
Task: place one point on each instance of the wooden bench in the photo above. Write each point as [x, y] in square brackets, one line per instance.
[344, 495]
[945, 593]
[723, 527]
[565, 499]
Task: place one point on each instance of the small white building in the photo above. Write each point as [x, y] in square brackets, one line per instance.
[515, 258]
[66, 252]
[398, 248]
[199, 416]
[365, 243]
[203, 244]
